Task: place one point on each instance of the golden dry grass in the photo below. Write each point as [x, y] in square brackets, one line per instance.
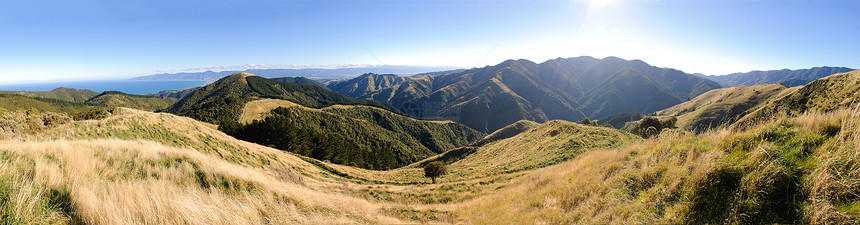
[113, 181]
[722, 176]
[137, 167]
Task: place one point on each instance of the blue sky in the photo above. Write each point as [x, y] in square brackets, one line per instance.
[104, 39]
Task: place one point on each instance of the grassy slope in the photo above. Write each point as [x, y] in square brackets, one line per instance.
[161, 168]
[507, 131]
[544, 145]
[721, 106]
[824, 95]
[65, 94]
[799, 170]
[102, 167]
[191, 166]
[142, 102]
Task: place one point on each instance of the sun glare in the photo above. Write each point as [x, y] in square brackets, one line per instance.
[598, 3]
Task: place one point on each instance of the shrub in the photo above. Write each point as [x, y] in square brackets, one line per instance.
[95, 114]
[434, 170]
[588, 122]
[644, 127]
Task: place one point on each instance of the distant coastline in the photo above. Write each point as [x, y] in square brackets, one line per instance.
[140, 87]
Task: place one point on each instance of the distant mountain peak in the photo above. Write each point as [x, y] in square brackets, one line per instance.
[493, 96]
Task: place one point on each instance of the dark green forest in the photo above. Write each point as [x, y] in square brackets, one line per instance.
[357, 136]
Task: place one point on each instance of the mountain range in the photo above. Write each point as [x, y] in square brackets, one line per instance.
[570, 89]
[318, 74]
[788, 77]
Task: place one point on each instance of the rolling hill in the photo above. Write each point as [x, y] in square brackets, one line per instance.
[13, 102]
[788, 77]
[491, 97]
[142, 102]
[823, 95]
[723, 106]
[60, 93]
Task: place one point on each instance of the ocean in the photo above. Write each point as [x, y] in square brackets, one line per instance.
[140, 87]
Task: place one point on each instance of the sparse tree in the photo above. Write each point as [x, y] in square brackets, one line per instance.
[434, 170]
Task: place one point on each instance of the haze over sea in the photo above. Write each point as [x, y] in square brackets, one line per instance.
[139, 87]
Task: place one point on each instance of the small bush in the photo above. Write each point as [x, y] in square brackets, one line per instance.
[95, 114]
[434, 170]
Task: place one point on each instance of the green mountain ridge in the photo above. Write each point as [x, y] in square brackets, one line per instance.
[222, 100]
[313, 121]
[570, 89]
[785, 76]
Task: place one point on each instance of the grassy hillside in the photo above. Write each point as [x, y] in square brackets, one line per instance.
[13, 102]
[721, 107]
[507, 132]
[108, 171]
[787, 171]
[823, 95]
[547, 144]
[362, 136]
[142, 102]
[61, 93]
[109, 181]
[142, 167]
